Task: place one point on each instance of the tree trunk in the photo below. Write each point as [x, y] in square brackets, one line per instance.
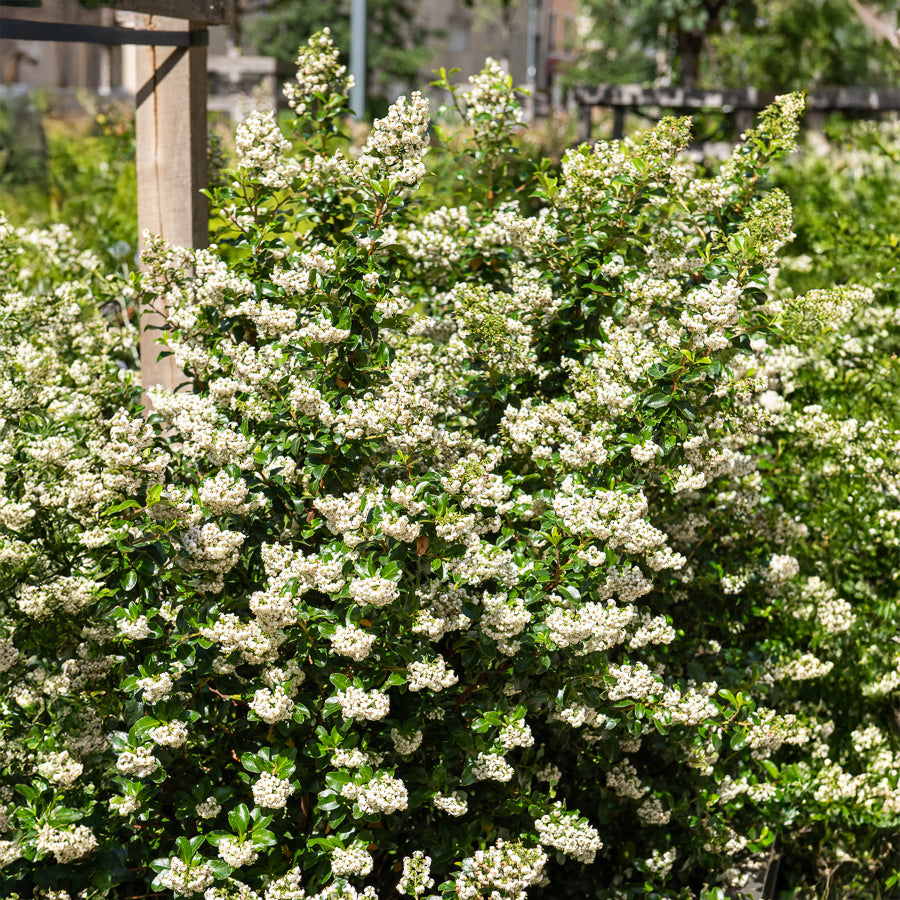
[690, 46]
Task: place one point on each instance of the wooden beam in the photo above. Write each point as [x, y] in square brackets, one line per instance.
[79, 33]
[170, 121]
[206, 12]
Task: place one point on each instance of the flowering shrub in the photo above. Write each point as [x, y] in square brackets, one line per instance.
[460, 573]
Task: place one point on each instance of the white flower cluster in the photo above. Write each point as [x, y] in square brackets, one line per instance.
[262, 149]
[9, 655]
[319, 73]
[515, 734]
[433, 676]
[375, 591]
[652, 630]
[507, 869]
[660, 864]
[134, 629]
[564, 831]
[209, 548]
[652, 812]
[66, 844]
[397, 144]
[186, 878]
[60, 768]
[358, 703]
[170, 734]
[156, 687]
[271, 791]
[124, 805]
[237, 853]
[635, 681]
[272, 705]
[455, 804]
[624, 781]
[223, 494]
[492, 766]
[355, 860]
[352, 641]
[491, 108]
[256, 644]
[139, 762]
[804, 667]
[406, 744]
[344, 758]
[595, 626]
[208, 808]
[504, 618]
[383, 794]
[416, 878]
[67, 594]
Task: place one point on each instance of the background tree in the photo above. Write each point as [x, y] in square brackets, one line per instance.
[779, 45]
[395, 55]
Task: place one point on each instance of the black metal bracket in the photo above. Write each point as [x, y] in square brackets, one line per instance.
[26, 30]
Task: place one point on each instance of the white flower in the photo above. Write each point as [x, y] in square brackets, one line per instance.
[491, 766]
[434, 675]
[237, 853]
[352, 641]
[139, 762]
[66, 844]
[455, 804]
[60, 768]
[383, 794]
[416, 878]
[565, 832]
[354, 861]
[375, 591]
[272, 705]
[208, 808]
[271, 792]
[171, 734]
[360, 704]
[156, 687]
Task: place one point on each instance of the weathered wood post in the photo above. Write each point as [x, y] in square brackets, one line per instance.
[170, 125]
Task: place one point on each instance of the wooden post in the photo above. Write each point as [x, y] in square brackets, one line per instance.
[618, 123]
[585, 115]
[170, 123]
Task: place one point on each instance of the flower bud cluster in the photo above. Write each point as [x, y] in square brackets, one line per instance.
[358, 703]
[383, 794]
[187, 878]
[60, 768]
[507, 869]
[66, 844]
[139, 762]
[416, 875]
[432, 676]
[352, 861]
[565, 832]
[397, 144]
[271, 791]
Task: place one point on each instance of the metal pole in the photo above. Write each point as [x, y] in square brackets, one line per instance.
[531, 60]
[358, 57]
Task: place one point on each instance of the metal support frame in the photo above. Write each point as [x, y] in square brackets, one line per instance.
[28, 30]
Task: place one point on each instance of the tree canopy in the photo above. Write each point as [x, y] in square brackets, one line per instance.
[778, 45]
[395, 54]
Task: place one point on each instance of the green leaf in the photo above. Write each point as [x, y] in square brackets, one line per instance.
[657, 401]
[239, 819]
